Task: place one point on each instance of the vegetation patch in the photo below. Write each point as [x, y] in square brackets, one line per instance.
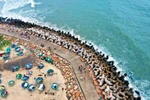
[3, 42]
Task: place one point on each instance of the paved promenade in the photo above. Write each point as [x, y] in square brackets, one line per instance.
[86, 85]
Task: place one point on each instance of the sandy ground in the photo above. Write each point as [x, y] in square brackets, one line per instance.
[18, 93]
[13, 56]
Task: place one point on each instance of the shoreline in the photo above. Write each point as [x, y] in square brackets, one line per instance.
[102, 71]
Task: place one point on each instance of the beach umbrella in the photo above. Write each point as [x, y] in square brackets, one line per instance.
[11, 83]
[2, 88]
[29, 66]
[40, 54]
[4, 94]
[20, 53]
[41, 87]
[6, 56]
[25, 78]
[54, 86]
[19, 76]
[40, 65]
[8, 50]
[49, 60]
[17, 49]
[31, 87]
[39, 80]
[50, 72]
[15, 68]
[13, 45]
[25, 84]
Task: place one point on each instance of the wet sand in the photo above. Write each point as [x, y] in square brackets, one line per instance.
[19, 62]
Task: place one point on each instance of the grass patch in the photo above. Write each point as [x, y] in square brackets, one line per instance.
[4, 43]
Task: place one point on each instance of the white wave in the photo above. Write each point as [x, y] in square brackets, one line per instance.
[32, 3]
[143, 87]
[15, 4]
[10, 5]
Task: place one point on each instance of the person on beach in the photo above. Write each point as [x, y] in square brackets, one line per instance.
[79, 68]
[45, 75]
[84, 68]
[81, 78]
[84, 77]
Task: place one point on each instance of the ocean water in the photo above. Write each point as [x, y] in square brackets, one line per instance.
[120, 28]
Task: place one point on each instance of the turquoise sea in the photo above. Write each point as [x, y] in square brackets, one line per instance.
[120, 28]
